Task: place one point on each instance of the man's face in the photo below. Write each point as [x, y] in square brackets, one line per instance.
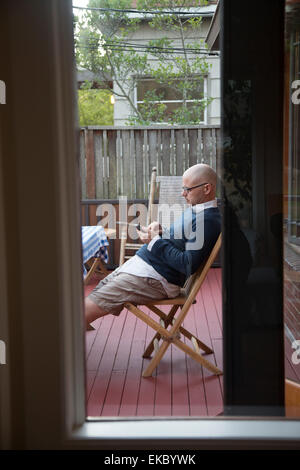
[197, 195]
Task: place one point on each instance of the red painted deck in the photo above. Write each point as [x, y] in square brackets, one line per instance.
[179, 386]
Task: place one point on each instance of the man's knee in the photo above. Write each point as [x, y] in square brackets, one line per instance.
[91, 307]
[92, 312]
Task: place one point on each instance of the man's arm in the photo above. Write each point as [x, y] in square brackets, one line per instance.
[185, 261]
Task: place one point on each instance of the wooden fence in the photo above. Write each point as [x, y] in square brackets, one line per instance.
[116, 161]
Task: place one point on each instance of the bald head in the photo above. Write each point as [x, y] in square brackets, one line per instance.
[200, 174]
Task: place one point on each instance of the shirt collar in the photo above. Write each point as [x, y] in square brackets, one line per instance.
[205, 205]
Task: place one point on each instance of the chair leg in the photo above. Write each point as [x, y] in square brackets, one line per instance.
[169, 336]
[122, 247]
[201, 345]
[96, 263]
[198, 357]
[168, 320]
[156, 359]
[185, 348]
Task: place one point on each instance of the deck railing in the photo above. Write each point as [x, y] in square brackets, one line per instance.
[117, 161]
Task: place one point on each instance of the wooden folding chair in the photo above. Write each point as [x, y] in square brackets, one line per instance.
[95, 263]
[172, 335]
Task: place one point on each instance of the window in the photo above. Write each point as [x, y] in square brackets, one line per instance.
[151, 93]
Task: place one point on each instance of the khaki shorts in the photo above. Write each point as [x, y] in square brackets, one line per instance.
[118, 288]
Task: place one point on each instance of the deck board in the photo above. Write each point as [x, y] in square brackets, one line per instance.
[146, 400]
[129, 402]
[179, 386]
[120, 366]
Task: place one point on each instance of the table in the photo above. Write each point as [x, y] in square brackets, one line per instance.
[94, 246]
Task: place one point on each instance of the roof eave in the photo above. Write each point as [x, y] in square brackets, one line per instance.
[213, 35]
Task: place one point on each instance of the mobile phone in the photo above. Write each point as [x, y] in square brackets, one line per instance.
[138, 227]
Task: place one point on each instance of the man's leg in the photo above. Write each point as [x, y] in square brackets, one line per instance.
[92, 312]
[118, 288]
[91, 309]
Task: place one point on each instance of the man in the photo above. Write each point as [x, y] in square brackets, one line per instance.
[167, 258]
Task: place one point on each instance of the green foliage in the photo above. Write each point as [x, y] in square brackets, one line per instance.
[105, 45]
[95, 108]
[152, 110]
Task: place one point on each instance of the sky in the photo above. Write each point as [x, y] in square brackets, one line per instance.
[80, 3]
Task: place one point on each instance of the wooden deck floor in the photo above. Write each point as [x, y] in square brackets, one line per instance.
[179, 386]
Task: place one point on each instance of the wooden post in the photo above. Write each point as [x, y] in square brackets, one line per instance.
[112, 153]
[90, 165]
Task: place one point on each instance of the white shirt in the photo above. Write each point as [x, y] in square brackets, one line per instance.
[138, 267]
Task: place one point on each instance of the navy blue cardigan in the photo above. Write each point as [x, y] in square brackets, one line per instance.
[181, 250]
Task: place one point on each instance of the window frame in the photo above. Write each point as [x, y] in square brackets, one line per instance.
[5, 372]
[205, 87]
[78, 431]
[202, 433]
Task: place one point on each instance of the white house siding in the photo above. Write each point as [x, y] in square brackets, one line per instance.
[142, 36]
[214, 91]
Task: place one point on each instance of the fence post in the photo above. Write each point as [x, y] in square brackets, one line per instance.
[90, 165]
[112, 155]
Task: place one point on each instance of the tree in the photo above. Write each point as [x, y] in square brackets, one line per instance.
[95, 107]
[173, 67]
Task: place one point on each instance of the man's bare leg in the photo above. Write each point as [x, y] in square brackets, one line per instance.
[92, 312]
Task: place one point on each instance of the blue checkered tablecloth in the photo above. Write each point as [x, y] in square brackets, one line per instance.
[94, 243]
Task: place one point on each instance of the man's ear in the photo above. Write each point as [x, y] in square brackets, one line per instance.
[208, 189]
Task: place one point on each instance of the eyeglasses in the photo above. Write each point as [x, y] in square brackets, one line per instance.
[184, 188]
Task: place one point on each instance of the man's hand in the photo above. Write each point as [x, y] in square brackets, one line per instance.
[146, 234]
